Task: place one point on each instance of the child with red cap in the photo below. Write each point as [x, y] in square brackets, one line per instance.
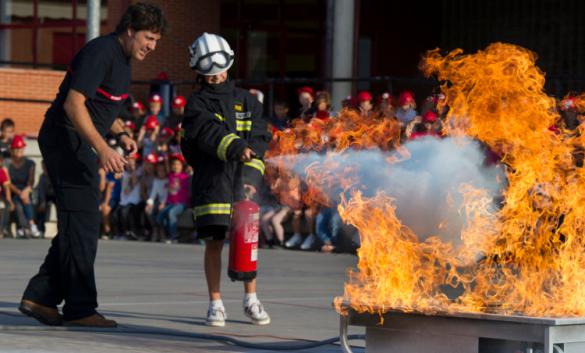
[365, 105]
[22, 176]
[148, 135]
[306, 99]
[323, 106]
[6, 204]
[405, 113]
[157, 195]
[138, 111]
[155, 103]
[177, 198]
[178, 110]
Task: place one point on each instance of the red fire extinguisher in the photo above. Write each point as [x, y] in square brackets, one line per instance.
[244, 241]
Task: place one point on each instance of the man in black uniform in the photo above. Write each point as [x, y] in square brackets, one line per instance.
[72, 144]
[224, 139]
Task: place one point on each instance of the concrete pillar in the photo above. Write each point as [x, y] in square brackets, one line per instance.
[343, 40]
[5, 40]
[93, 19]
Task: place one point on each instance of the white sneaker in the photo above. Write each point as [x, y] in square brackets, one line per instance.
[35, 231]
[294, 241]
[256, 313]
[216, 317]
[309, 242]
[20, 233]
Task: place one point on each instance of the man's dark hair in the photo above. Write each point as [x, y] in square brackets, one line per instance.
[143, 17]
[7, 122]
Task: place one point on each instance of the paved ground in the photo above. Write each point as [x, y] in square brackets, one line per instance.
[157, 294]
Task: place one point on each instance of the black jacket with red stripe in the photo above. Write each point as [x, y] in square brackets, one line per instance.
[220, 122]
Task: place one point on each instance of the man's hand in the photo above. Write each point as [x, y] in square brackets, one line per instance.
[128, 144]
[111, 160]
[249, 190]
[247, 155]
[148, 208]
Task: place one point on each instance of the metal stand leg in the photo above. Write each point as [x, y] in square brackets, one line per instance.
[343, 326]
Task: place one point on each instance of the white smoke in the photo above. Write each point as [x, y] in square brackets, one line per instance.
[426, 186]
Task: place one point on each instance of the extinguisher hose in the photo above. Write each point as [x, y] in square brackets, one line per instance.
[192, 335]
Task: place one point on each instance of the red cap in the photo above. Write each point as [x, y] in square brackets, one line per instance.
[137, 106]
[135, 156]
[155, 98]
[568, 103]
[306, 89]
[179, 102]
[151, 123]
[177, 156]
[406, 97]
[151, 158]
[130, 124]
[430, 117]
[385, 97]
[17, 142]
[162, 76]
[364, 96]
[167, 132]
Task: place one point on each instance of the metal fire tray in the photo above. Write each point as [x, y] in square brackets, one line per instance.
[462, 332]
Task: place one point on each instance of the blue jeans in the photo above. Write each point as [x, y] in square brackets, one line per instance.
[27, 209]
[167, 218]
[328, 224]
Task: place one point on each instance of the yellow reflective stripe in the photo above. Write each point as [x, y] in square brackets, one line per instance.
[256, 164]
[212, 209]
[243, 125]
[224, 144]
[219, 117]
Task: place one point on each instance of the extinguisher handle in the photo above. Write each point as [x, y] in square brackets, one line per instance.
[248, 192]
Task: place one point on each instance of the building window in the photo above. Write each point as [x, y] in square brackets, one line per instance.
[43, 33]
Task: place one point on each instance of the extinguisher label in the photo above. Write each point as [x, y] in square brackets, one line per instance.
[254, 253]
[252, 230]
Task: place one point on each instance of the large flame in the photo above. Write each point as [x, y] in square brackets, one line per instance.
[525, 257]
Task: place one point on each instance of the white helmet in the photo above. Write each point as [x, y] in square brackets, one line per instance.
[210, 54]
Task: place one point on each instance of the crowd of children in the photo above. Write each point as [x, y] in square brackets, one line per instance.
[148, 199]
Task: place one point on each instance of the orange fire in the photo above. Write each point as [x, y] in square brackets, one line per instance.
[527, 258]
[524, 257]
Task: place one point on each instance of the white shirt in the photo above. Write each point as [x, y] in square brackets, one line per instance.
[130, 195]
[159, 191]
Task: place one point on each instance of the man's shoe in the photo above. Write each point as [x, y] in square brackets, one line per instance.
[95, 320]
[44, 314]
[255, 311]
[216, 317]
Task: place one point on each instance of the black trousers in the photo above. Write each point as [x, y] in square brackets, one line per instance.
[67, 273]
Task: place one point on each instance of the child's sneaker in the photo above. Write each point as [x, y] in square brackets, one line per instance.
[255, 311]
[216, 317]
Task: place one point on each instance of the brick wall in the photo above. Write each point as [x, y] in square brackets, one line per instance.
[27, 84]
[187, 19]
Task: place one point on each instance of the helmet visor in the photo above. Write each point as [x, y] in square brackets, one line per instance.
[219, 59]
